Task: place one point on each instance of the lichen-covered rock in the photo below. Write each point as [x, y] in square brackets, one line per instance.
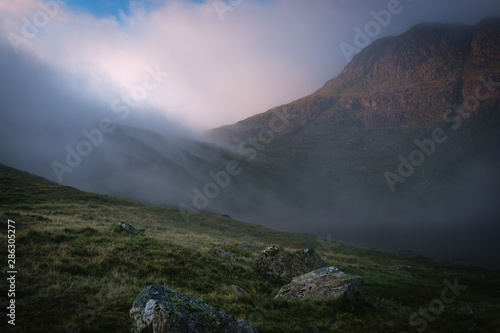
[159, 309]
[328, 283]
[275, 262]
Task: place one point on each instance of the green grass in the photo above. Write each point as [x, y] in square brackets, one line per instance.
[78, 272]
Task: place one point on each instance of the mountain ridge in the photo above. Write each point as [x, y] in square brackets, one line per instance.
[425, 54]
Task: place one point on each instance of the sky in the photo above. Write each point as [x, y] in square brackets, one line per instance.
[220, 62]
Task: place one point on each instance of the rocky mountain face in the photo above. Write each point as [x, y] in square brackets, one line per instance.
[407, 80]
[389, 95]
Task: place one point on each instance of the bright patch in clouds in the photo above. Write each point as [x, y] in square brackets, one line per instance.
[262, 54]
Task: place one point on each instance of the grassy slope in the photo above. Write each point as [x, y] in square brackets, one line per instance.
[77, 272]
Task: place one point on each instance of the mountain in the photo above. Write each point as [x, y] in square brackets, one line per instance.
[403, 81]
[406, 138]
[77, 271]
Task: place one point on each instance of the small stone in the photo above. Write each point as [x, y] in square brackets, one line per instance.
[468, 310]
[191, 246]
[128, 228]
[250, 246]
[401, 271]
[223, 253]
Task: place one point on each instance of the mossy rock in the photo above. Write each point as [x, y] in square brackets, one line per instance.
[160, 309]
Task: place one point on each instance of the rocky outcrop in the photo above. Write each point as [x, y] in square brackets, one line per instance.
[400, 81]
[159, 309]
[284, 266]
[328, 283]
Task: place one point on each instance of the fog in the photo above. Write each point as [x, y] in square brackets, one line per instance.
[191, 69]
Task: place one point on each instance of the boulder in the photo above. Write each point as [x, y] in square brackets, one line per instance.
[275, 262]
[159, 309]
[328, 283]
